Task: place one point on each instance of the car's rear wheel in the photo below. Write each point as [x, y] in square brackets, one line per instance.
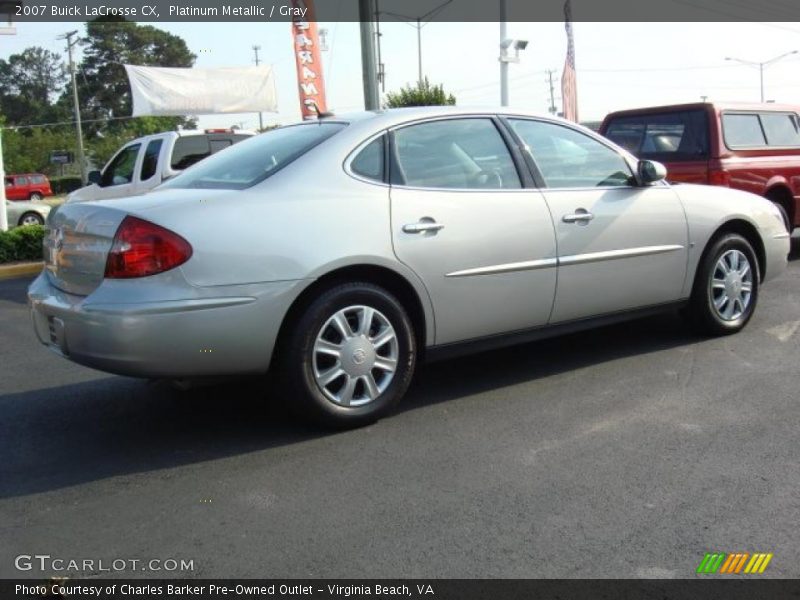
[36, 196]
[31, 218]
[350, 357]
[725, 289]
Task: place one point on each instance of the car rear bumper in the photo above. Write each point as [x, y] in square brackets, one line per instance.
[231, 332]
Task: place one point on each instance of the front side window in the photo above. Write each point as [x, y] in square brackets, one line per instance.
[252, 161]
[120, 171]
[742, 131]
[667, 136]
[453, 154]
[569, 159]
[150, 161]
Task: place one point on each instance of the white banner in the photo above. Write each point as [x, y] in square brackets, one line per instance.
[162, 91]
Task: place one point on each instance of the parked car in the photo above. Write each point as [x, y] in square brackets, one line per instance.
[27, 186]
[338, 253]
[751, 147]
[144, 163]
[26, 213]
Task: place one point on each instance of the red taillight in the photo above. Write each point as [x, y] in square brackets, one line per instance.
[719, 177]
[142, 248]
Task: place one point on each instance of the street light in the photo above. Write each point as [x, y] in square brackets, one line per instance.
[418, 23]
[761, 66]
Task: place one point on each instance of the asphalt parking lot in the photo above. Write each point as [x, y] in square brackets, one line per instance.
[628, 451]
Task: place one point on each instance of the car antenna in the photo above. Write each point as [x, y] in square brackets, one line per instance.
[321, 114]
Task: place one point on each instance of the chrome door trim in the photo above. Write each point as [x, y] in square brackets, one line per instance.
[528, 265]
[579, 259]
[576, 259]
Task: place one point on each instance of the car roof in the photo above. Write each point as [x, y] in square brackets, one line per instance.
[391, 116]
[717, 105]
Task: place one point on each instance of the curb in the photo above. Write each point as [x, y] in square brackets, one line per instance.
[20, 270]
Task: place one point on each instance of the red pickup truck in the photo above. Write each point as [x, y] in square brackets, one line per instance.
[751, 147]
[27, 186]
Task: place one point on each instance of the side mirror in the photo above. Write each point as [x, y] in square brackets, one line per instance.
[651, 171]
[94, 177]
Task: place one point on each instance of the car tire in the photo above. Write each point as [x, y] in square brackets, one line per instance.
[36, 197]
[30, 218]
[725, 291]
[336, 361]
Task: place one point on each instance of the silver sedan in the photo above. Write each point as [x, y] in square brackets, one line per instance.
[24, 212]
[340, 252]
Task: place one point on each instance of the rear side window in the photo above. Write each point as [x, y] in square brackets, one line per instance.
[38, 179]
[191, 149]
[188, 150]
[454, 154]
[662, 136]
[742, 131]
[252, 161]
[369, 163]
[781, 129]
[150, 161]
[21, 181]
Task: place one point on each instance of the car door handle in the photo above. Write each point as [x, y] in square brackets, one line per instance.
[579, 216]
[422, 227]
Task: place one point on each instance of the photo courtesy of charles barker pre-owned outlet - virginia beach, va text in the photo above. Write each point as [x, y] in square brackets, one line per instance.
[434, 299]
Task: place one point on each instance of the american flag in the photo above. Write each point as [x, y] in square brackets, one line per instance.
[569, 82]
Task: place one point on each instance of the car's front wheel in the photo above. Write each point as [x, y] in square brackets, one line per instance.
[350, 357]
[725, 290]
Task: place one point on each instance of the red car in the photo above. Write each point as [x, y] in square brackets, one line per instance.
[27, 186]
[751, 147]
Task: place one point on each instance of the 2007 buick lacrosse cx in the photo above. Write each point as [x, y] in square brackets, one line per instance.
[339, 252]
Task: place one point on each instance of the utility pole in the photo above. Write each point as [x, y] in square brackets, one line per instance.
[3, 213]
[9, 30]
[552, 108]
[378, 35]
[70, 45]
[503, 54]
[366, 14]
[260, 117]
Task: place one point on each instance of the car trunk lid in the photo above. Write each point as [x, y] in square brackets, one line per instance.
[79, 237]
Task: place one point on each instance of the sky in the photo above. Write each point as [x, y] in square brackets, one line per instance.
[619, 65]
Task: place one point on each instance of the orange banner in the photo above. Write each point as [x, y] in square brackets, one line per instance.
[311, 85]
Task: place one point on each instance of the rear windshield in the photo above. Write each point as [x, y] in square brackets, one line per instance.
[672, 136]
[190, 149]
[253, 160]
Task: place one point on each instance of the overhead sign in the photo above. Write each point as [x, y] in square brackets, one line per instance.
[311, 85]
[167, 91]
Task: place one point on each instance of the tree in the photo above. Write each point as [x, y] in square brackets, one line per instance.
[29, 84]
[422, 94]
[103, 87]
